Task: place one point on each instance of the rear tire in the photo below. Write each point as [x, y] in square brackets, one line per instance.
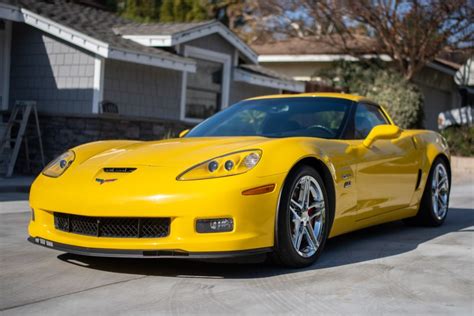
[434, 203]
[303, 219]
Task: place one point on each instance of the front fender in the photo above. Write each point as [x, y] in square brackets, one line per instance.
[281, 155]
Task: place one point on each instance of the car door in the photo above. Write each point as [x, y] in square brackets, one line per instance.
[386, 172]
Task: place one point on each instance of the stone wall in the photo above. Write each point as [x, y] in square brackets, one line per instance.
[61, 132]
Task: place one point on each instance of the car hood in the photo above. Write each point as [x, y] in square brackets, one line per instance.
[182, 152]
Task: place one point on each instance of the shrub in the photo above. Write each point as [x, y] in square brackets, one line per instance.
[460, 140]
[401, 98]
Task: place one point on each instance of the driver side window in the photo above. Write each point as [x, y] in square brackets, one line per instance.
[367, 116]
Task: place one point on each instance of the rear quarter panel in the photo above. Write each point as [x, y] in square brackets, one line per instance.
[430, 145]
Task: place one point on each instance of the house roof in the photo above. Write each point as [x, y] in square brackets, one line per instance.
[108, 35]
[94, 24]
[316, 45]
[265, 71]
[171, 34]
[329, 49]
[258, 75]
[158, 28]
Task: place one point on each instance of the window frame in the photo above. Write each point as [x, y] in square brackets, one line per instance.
[349, 133]
[205, 54]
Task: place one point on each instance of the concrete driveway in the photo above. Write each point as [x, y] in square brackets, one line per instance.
[386, 269]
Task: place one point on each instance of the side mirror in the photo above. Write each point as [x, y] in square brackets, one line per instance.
[382, 132]
[183, 133]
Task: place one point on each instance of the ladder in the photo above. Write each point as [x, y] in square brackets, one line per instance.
[20, 116]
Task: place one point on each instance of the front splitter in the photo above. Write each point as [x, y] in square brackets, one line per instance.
[127, 253]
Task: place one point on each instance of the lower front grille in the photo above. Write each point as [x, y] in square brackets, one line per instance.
[115, 227]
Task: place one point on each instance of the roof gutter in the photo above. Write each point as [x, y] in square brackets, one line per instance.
[91, 44]
[259, 80]
[324, 58]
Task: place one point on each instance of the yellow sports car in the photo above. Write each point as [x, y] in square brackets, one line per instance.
[276, 174]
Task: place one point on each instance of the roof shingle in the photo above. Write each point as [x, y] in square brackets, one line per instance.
[316, 45]
[158, 28]
[96, 23]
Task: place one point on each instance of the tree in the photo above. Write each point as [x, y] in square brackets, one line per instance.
[412, 33]
[241, 16]
[183, 11]
[402, 99]
[166, 11]
[140, 10]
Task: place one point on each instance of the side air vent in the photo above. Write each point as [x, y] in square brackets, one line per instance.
[418, 179]
[119, 170]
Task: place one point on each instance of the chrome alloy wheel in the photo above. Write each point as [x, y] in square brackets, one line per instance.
[440, 191]
[307, 213]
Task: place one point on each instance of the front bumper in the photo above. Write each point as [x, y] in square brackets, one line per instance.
[184, 202]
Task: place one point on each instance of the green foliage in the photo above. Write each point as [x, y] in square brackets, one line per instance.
[139, 10]
[460, 140]
[161, 10]
[402, 99]
[166, 11]
[182, 11]
[399, 97]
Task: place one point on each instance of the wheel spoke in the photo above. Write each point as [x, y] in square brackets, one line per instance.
[316, 214]
[317, 205]
[442, 182]
[440, 200]
[298, 236]
[443, 199]
[296, 216]
[444, 188]
[294, 203]
[434, 185]
[312, 240]
[306, 192]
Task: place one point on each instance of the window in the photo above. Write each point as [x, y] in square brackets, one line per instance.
[279, 117]
[367, 116]
[204, 89]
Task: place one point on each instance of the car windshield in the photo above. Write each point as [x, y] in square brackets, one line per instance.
[278, 117]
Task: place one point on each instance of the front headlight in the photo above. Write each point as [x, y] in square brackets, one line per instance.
[57, 167]
[223, 166]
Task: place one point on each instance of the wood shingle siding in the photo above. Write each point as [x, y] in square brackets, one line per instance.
[141, 90]
[241, 90]
[213, 42]
[57, 76]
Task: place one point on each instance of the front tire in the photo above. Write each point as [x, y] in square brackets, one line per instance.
[303, 218]
[435, 200]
